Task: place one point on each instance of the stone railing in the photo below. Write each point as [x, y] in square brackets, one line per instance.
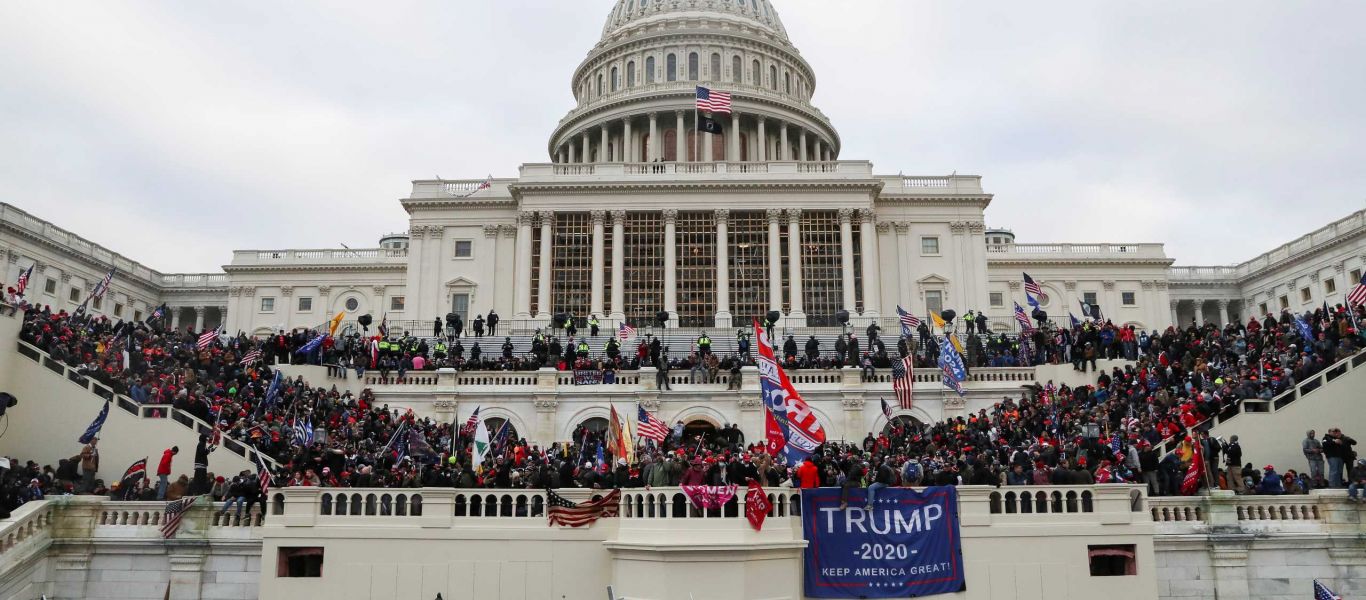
[548, 172]
[931, 185]
[679, 380]
[1223, 510]
[29, 526]
[317, 257]
[194, 280]
[1333, 232]
[1114, 250]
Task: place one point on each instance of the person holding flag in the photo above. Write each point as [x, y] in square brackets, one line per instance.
[801, 432]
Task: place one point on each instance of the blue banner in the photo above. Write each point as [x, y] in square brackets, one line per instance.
[907, 546]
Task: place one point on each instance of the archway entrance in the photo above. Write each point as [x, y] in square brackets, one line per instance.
[902, 423]
[495, 424]
[697, 427]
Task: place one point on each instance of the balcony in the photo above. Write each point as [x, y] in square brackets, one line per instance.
[194, 280]
[1105, 251]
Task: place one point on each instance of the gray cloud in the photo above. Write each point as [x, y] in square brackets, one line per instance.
[177, 133]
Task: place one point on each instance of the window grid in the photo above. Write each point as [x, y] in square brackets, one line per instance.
[571, 263]
[748, 232]
[536, 269]
[822, 281]
[696, 232]
[857, 233]
[784, 264]
[607, 263]
[643, 267]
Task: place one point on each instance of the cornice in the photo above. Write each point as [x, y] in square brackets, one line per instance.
[419, 204]
[122, 277]
[977, 200]
[627, 187]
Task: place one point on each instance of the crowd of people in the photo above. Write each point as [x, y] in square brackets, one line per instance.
[1111, 431]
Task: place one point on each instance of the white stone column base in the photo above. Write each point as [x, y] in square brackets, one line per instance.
[723, 319]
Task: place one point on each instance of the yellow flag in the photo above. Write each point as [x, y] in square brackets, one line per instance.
[336, 322]
[957, 345]
[938, 322]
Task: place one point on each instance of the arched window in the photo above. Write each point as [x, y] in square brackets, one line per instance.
[671, 68]
[670, 144]
[650, 69]
[692, 66]
[631, 74]
[744, 146]
[773, 77]
[715, 67]
[787, 83]
[615, 79]
[737, 72]
[599, 84]
[756, 74]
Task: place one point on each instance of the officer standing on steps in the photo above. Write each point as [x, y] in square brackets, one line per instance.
[703, 344]
[492, 322]
[507, 348]
[593, 326]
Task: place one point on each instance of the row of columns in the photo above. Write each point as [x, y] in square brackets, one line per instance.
[1199, 310]
[776, 218]
[198, 316]
[624, 146]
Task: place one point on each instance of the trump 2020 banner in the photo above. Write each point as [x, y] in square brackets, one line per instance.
[906, 546]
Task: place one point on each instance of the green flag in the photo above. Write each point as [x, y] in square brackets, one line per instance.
[481, 444]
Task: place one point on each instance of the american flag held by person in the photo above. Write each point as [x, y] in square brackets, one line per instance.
[909, 322]
[175, 511]
[625, 332]
[712, 101]
[903, 375]
[650, 426]
[1358, 294]
[207, 338]
[565, 513]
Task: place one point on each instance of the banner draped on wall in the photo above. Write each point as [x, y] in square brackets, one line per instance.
[907, 546]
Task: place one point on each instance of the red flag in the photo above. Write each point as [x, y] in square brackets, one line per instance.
[756, 505]
[773, 434]
[1192, 482]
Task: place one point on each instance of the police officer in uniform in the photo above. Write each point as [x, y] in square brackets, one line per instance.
[593, 326]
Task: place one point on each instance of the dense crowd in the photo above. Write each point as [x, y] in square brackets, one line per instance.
[1107, 432]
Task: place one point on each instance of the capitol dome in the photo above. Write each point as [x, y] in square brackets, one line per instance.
[635, 91]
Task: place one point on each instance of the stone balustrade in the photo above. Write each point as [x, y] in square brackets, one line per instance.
[1320, 510]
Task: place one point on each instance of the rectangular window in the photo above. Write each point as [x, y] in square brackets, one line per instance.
[1089, 298]
[998, 299]
[1128, 298]
[1330, 286]
[1262, 307]
[97, 303]
[75, 294]
[305, 304]
[1115, 560]
[118, 310]
[464, 249]
[1356, 276]
[267, 305]
[396, 303]
[929, 246]
[299, 562]
[1285, 302]
[460, 305]
[50, 287]
[1306, 295]
[934, 301]
[137, 315]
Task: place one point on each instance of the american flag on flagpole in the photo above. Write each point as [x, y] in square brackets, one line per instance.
[175, 511]
[1321, 592]
[909, 322]
[103, 285]
[650, 426]
[471, 423]
[1023, 319]
[251, 357]
[22, 284]
[262, 472]
[886, 409]
[625, 332]
[903, 376]
[562, 512]
[1358, 294]
[207, 338]
[712, 101]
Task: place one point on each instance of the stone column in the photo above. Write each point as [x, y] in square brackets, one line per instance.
[573, 152]
[706, 143]
[820, 151]
[761, 144]
[775, 261]
[199, 318]
[1199, 313]
[521, 295]
[175, 317]
[872, 286]
[784, 152]
[618, 265]
[595, 295]
[681, 139]
[1175, 315]
[627, 155]
[587, 151]
[543, 287]
[903, 245]
[794, 265]
[653, 147]
[605, 146]
[801, 144]
[733, 147]
[847, 259]
[1223, 311]
[723, 316]
[671, 263]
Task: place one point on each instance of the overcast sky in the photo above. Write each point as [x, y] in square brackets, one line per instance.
[175, 132]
